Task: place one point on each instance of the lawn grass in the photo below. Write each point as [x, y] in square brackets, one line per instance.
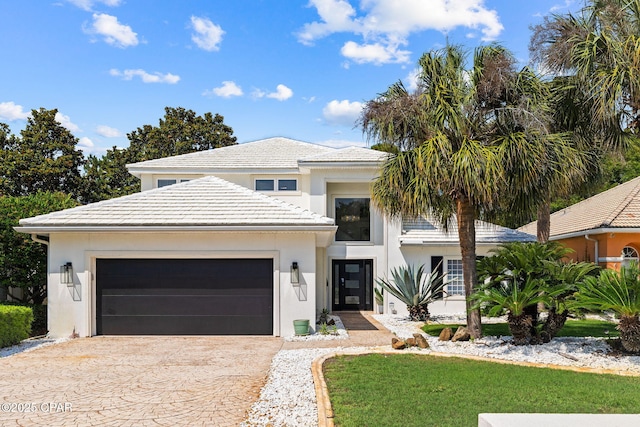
[422, 390]
[573, 328]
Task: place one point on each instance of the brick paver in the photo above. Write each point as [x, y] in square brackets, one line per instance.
[136, 381]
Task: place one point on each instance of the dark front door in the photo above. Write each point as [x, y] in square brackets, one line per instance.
[353, 284]
[184, 296]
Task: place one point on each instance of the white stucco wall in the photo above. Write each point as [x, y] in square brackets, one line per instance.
[81, 249]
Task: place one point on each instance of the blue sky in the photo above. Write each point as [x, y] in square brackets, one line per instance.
[299, 69]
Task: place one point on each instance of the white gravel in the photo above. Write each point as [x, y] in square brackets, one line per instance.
[288, 398]
[29, 345]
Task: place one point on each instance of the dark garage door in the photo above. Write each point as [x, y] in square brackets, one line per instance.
[184, 296]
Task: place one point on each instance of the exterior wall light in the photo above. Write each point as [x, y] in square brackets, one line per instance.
[66, 274]
[295, 273]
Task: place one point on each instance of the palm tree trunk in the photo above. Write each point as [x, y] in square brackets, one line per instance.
[544, 221]
[467, 235]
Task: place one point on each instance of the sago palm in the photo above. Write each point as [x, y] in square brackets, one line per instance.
[468, 139]
[617, 291]
[415, 288]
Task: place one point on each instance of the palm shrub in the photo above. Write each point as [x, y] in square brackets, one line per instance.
[618, 291]
[415, 288]
[521, 277]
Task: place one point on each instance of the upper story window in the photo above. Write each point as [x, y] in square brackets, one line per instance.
[282, 185]
[164, 182]
[353, 218]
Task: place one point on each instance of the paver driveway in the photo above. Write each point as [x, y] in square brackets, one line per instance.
[136, 381]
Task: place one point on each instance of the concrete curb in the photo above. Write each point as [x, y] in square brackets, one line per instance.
[325, 410]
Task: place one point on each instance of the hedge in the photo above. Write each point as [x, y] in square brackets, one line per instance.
[15, 324]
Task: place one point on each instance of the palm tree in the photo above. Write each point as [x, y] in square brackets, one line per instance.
[595, 56]
[468, 138]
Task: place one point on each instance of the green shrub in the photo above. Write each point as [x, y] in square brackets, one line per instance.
[39, 324]
[15, 324]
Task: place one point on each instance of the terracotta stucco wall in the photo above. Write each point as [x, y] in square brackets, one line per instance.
[610, 247]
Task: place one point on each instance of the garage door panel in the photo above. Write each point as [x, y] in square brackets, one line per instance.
[184, 296]
[174, 305]
[194, 325]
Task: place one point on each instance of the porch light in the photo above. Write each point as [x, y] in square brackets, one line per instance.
[66, 274]
[295, 273]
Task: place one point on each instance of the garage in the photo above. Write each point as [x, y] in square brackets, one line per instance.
[184, 296]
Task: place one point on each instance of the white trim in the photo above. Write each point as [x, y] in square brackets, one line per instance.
[610, 259]
[91, 256]
[173, 228]
[595, 231]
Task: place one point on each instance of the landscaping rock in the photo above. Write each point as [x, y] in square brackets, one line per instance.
[462, 334]
[421, 341]
[445, 334]
[398, 344]
[411, 342]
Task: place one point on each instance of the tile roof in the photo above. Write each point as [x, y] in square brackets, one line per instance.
[618, 207]
[428, 232]
[271, 153]
[208, 201]
[348, 154]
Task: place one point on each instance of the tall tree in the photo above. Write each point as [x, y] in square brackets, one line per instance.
[23, 262]
[179, 132]
[595, 55]
[44, 158]
[469, 139]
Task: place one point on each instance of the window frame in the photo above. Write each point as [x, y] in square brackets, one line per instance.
[459, 284]
[276, 188]
[370, 239]
[175, 181]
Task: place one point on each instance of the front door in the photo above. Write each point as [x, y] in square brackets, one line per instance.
[353, 284]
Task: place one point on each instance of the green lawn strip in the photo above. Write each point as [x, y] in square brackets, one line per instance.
[573, 328]
[422, 390]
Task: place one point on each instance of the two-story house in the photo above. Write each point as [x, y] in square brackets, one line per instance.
[239, 240]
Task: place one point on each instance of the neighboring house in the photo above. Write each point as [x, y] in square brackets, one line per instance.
[603, 229]
[238, 240]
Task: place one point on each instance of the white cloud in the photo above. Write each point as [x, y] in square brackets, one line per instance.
[375, 53]
[10, 111]
[145, 77]
[107, 131]
[342, 113]
[282, 93]
[85, 142]
[227, 90]
[385, 25]
[411, 81]
[207, 35]
[88, 4]
[65, 121]
[567, 4]
[114, 33]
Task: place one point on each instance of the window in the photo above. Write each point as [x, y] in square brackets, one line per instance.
[353, 220]
[283, 185]
[165, 182]
[287, 185]
[629, 256]
[264, 185]
[455, 282]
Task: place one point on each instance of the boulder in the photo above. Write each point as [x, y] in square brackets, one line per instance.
[421, 341]
[462, 334]
[411, 342]
[445, 334]
[398, 344]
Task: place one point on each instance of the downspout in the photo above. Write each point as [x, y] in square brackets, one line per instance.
[37, 239]
[586, 236]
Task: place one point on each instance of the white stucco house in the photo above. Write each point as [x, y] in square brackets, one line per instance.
[238, 240]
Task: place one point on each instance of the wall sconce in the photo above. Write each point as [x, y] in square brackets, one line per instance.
[66, 274]
[295, 273]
